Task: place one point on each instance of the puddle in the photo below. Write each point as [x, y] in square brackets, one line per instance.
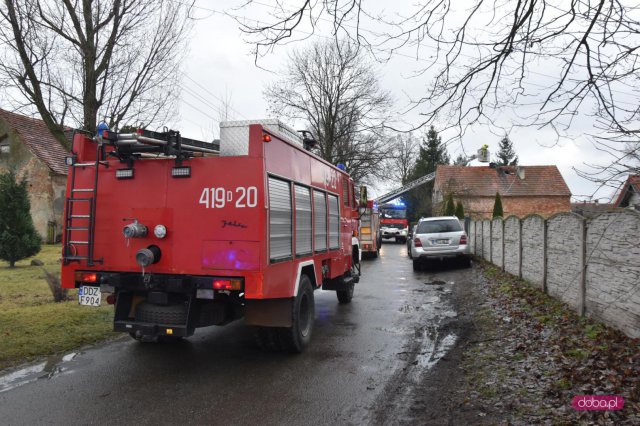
[45, 370]
[394, 330]
[434, 350]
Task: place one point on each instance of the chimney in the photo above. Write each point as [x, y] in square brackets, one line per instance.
[520, 172]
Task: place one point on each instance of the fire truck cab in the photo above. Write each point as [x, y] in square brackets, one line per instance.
[182, 234]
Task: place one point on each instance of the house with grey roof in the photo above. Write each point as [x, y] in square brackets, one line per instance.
[27, 146]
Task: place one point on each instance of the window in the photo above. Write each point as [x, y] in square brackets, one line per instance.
[437, 226]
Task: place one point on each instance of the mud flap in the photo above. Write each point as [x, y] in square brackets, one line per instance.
[269, 312]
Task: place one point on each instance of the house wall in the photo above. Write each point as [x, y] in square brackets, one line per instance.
[479, 207]
[46, 189]
[592, 265]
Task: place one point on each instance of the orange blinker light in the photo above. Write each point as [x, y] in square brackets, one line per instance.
[266, 138]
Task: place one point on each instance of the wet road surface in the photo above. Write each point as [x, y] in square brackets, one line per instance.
[364, 360]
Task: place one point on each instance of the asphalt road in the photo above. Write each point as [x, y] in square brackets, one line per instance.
[364, 360]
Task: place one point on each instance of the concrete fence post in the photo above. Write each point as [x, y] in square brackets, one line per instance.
[545, 262]
[520, 248]
[582, 291]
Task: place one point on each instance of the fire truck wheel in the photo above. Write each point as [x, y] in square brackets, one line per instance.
[345, 296]
[296, 338]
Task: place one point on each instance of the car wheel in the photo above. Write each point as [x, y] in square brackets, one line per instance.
[416, 264]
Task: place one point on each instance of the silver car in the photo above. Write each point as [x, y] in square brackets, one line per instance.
[441, 237]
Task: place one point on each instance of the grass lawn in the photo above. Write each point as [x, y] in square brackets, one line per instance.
[32, 324]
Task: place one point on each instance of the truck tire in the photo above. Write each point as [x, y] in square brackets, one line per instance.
[162, 314]
[345, 296]
[296, 338]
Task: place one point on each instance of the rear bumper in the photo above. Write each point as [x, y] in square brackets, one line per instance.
[394, 233]
[148, 329]
[421, 253]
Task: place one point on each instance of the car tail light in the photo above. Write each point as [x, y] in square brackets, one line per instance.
[463, 239]
[417, 242]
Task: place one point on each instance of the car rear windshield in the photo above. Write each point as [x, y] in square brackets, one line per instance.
[437, 226]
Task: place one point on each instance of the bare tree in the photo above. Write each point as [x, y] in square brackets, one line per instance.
[335, 91]
[80, 62]
[549, 60]
[402, 159]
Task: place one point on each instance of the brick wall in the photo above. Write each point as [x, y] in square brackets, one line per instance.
[480, 207]
[593, 266]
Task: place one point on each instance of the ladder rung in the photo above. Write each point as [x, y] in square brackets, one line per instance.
[80, 216]
[78, 242]
[73, 228]
[76, 257]
[74, 200]
[84, 164]
[82, 190]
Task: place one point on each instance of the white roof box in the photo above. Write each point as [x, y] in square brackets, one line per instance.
[234, 135]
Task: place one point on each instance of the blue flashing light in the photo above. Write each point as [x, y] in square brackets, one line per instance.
[341, 166]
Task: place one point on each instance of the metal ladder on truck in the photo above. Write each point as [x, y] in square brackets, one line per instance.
[80, 226]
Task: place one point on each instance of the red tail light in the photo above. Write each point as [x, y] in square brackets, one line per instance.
[463, 239]
[417, 242]
[231, 284]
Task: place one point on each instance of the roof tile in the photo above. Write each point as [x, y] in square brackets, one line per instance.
[36, 136]
[486, 181]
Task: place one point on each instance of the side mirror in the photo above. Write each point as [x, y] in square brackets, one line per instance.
[362, 202]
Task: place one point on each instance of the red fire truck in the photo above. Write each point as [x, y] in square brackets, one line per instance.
[393, 221]
[183, 234]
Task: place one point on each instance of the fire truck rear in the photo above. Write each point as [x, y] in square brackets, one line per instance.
[370, 234]
[181, 234]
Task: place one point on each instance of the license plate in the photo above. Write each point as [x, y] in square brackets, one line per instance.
[89, 296]
[442, 242]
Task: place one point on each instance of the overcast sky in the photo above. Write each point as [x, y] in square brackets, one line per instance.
[220, 66]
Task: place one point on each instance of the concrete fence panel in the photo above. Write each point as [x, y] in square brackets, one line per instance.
[565, 251]
[486, 239]
[497, 230]
[533, 249]
[512, 245]
[613, 270]
[478, 238]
